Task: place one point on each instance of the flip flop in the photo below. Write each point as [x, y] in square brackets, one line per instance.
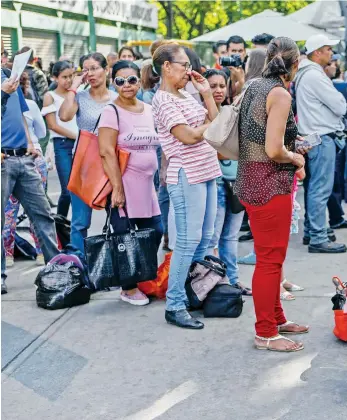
[292, 332]
[340, 286]
[246, 291]
[293, 288]
[277, 337]
[287, 296]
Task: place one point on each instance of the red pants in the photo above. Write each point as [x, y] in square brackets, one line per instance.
[270, 226]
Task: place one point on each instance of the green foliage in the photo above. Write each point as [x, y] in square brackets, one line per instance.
[193, 18]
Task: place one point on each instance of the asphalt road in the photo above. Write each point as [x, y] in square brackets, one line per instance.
[108, 361]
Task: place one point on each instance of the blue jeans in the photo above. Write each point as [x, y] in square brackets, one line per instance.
[164, 203]
[63, 160]
[80, 222]
[195, 213]
[318, 188]
[226, 228]
[336, 212]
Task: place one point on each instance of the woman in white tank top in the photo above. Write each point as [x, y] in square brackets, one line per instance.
[62, 133]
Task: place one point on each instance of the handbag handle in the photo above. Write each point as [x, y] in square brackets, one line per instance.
[106, 230]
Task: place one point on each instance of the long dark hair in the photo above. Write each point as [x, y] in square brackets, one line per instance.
[59, 67]
[97, 57]
[255, 63]
[214, 72]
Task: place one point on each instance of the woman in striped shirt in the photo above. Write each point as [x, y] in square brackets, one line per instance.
[192, 169]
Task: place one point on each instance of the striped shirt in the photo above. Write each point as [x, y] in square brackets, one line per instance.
[199, 161]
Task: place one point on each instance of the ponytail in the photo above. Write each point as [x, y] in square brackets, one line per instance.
[149, 77]
[282, 54]
[275, 67]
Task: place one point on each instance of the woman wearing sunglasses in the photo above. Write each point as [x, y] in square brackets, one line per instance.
[192, 170]
[87, 105]
[135, 133]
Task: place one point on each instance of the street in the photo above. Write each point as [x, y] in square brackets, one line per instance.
[108, 360]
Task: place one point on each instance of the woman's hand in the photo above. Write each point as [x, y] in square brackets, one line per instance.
[302, 149]
[200, 83]
[298, 160]
[78, 81]
[118, 197]
[301, 174]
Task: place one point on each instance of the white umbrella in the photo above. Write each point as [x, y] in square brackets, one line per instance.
[267, 21]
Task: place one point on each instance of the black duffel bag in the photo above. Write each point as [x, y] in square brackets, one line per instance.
[223, 301]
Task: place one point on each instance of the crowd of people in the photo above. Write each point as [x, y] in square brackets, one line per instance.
[158, 109]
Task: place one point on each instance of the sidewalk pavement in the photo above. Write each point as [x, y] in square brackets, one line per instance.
[109, 361]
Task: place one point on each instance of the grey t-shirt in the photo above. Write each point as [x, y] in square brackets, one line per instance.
[90, 110]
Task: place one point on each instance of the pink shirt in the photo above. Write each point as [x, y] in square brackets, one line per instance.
[136, 135]
[199, 161]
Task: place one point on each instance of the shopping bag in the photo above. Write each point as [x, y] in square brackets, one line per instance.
[87, 178]
[158, 287]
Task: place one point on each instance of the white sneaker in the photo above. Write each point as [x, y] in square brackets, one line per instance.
[137, 299]
[40, 260]
[9, 262]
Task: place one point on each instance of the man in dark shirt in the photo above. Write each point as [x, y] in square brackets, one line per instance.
[18, 174]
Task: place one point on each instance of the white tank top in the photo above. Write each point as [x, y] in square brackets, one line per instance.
[54, 107]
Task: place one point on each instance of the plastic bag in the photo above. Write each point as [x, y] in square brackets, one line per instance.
[158, 287]
[61, 286]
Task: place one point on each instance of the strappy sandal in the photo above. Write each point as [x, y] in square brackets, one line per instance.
[276, 338]
[293, 288]
[306, 330]
[287, 296]
[339, 284]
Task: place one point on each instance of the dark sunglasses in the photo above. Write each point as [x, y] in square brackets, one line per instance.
[131, 80]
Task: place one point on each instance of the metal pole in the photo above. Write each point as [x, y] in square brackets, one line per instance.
[92, 35]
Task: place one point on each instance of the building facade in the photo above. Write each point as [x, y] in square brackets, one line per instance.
[60, 27]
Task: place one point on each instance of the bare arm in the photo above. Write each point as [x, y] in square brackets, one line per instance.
[69, 107]
[107, 147]
[189, 135]
[278, 106]
[52, 121]
[30, 149]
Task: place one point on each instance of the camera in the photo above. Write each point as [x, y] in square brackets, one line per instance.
[232, 61]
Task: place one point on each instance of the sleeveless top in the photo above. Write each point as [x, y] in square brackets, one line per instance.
[55, 107]
[259, 178]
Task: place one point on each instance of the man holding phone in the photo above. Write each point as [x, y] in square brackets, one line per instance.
[320, 109]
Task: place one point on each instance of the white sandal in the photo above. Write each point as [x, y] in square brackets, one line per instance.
[286, 296]
[293, 288]
[277, 337]
[293, 332]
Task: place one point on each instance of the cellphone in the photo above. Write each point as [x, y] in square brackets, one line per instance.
[311, 140]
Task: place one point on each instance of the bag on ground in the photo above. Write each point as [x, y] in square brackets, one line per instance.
[223, 301]
[61, 286]
[158, 287]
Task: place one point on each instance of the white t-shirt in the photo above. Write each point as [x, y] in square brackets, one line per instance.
[35, 122]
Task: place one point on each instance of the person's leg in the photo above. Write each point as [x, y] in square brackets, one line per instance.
[151, 223]
[321, 163]
[220, 219]
[336, 212]
[29, 191]
[271, 227]
[164, 203]
[80, 222]
[11, 213]
[228, 244]
[63, 161]
[209, 219]
[189, 202]
[306, 183]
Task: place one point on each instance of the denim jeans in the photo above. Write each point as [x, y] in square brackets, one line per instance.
[336, 212]
[63, 161]
[24, 182]
[226, 228]
[164, 203]
[318, 188]
[195, 209]
[80, 222]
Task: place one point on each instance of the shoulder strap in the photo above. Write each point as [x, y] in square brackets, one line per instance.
[98, 120]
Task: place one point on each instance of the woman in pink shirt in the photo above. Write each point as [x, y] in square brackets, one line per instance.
[135, 133]
[192, 169]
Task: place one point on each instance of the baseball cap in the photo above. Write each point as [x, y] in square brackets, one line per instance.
[318, 41]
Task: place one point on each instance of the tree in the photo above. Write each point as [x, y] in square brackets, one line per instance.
[184, 19]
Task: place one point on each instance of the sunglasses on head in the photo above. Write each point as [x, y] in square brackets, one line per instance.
[131, 80]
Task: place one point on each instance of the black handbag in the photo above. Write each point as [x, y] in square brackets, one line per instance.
[233, 201]
[123, 259]
[223, 301]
